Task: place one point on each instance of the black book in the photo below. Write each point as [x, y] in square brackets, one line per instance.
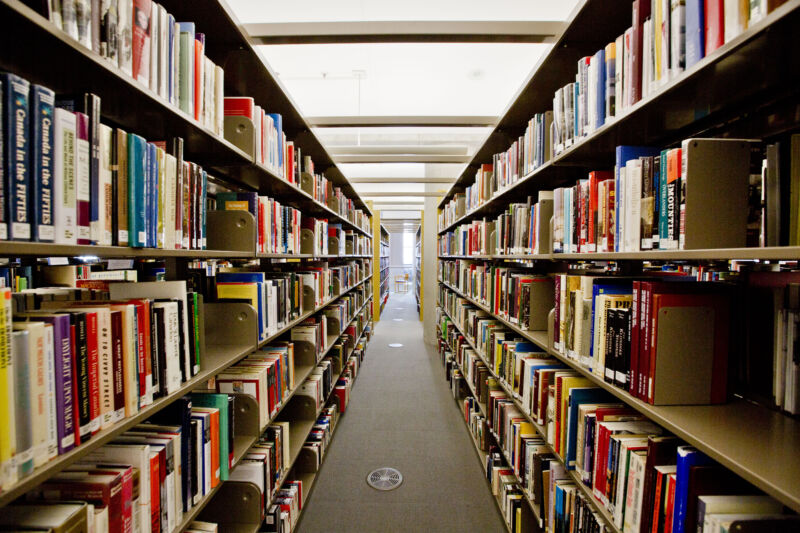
[81, 347]
[159, 352]
[179, 413]
[197, 460]
[623, 371]
[611, 345]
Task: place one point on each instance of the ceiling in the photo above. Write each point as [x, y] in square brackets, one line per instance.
[400, 94]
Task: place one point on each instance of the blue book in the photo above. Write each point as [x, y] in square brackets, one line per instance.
[137, 149]
[600, 87]
[16, 154]
[149, 193]
[688, 456]
[625, 153]
[578, 396]
[695, 32]
[663, 219]
[278, 120]
[171, 41]
[41, 166]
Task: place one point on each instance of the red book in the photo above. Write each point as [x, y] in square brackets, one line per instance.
[94, 370]
[74, 357]
[83, 179]
[102, 490]
[155, 492]
[144, 355]
[714, 24]
[669, 510]
[240, 106]
[611, 221]
[720, 303]
[640, 12]
[199, 78]
[141, 40]
[595, 178]
[633, 381]
[126, 471]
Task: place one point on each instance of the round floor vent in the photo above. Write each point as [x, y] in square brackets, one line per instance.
[384, 478]
[395, 345]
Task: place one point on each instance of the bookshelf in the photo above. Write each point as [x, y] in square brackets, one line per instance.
[385, 268]
[231, 329]
[418, 268]
[729, 93]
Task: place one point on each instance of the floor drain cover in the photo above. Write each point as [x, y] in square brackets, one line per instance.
[395, 345]
[384, 478]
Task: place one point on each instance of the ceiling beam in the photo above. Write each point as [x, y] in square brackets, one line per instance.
[400, 180]
[411, 31]
[409, 149]
[382, 121]
[403, 158]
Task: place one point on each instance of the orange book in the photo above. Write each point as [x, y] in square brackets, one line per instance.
[198, 79]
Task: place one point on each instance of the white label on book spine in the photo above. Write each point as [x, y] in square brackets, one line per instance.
[142, 236]
[123, 235]
[21, 230]
[69, 440]
[46, 232]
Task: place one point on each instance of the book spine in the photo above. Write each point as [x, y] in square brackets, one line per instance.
[96, 206]
[82, 372]
[121, 204]
[136, 198]
[117, 362]
[92, 346]
[42, 161]
[82, 178]
[16, 156]
[7, 393]
[106, 370]
[140, 44]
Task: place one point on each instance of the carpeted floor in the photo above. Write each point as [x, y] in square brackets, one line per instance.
[402, 415]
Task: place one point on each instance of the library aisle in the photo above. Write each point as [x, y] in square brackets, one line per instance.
[401, 415]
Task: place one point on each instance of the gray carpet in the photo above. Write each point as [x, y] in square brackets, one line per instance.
[401, 414]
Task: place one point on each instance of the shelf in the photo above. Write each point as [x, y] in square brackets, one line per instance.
[728, 433]
[706, 95]
[22, 248]
[69, 64]
[771, 253]
[217, 358]
[521, 409]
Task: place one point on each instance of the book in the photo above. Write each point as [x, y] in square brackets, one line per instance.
[42, 169]
[16, 159]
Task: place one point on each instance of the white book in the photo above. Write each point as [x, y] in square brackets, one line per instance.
[38, 415]
[170, 205]
[633, 497]
[101, 229]
[677, 40]
[163, 52]
[209, 94]
[64, 179]
[171, 290]
[50, 386]
[219, 103]
[155, 32]
[710, 505]
[171, 345]
[666, 45]
[100, 519]
[125, 35]
[633, 205]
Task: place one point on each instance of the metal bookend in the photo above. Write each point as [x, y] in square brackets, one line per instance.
[241, 132]
[231, 230]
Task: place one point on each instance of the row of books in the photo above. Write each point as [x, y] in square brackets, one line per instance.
[644, 203]
[70, 179]
[145, 479]
[613, 450]
[73, 368]
[664, 39]
[266, 462]
[613, 325]
[267, 375]
[145, 42]
[277, 226]
[272, 150]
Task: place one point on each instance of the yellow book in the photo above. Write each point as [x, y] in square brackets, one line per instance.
[8, 438]
[161, 232]
[567, 383]
[238, 291]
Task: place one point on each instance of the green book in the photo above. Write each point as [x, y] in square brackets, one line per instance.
[224, 403]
